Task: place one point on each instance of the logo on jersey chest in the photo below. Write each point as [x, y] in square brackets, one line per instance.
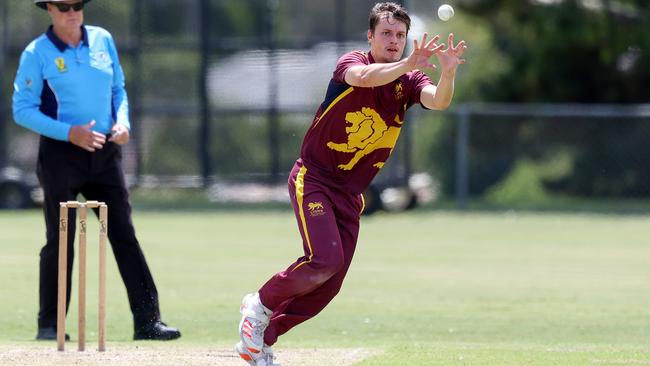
[100, 60]
[366, 132]
[60, 64]
[399, 91]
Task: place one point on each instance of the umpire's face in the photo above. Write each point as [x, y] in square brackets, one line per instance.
[66, 14]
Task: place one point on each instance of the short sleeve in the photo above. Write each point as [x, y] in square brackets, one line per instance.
[346, 61]
[418, 80]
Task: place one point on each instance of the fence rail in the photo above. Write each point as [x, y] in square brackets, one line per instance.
[466, 112]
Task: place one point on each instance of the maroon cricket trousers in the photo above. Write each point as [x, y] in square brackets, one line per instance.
[328, 220]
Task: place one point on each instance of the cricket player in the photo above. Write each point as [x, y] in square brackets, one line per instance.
[351, 137]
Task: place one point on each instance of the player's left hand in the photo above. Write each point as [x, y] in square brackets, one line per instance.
[450, 57]
[119, 134]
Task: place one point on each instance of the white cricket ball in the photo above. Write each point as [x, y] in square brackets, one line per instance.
[445, 12]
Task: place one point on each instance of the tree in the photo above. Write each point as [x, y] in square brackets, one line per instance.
[570, 51]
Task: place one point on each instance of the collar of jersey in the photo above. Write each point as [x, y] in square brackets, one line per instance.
[62, 45]
[370, 58]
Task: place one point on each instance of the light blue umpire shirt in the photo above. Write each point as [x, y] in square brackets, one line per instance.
[58, 86]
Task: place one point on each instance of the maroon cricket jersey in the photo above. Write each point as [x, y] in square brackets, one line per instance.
[355, 129]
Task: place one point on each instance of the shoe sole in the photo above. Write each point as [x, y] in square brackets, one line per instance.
[167, 336]
[243, 354]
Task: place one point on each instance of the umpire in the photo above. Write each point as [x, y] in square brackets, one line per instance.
[69, 89]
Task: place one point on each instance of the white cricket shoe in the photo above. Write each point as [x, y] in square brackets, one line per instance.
[254, 320]
[264, 358]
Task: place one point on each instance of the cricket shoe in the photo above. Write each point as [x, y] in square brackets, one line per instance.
[255, 319]
[264, 357]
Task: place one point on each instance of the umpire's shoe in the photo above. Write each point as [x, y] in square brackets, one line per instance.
[156, 331]
[48, 334]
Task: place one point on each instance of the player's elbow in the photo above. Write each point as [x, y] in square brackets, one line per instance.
[438, 105]
[441, 107]
[367, 80]
[361, 77]
[361, 80]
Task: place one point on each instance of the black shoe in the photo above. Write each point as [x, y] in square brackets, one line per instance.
[48, 334]
[156, 331]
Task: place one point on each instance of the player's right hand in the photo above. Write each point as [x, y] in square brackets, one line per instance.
[419, 57]
[85, 138]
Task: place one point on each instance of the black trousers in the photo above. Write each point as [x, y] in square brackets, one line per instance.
[64, 171]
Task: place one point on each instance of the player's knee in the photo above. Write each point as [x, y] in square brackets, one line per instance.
[327, 269]
[332, 269]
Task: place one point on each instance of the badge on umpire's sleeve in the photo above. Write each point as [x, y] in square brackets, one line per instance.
[60, 64]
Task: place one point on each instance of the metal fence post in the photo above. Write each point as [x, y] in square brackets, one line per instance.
[204, 129]
[273, 115]
[3, 100]
[462, 157]
[135, 96]
[339, 11]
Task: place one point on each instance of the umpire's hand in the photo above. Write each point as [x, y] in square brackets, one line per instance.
[119, 134]
[85, 138]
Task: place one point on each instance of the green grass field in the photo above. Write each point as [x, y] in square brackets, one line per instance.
[425, 287]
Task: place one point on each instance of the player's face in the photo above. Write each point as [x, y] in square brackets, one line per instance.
[388, 40]
[70, 18]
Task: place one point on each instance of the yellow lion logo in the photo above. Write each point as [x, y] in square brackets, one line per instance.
[314, 206]
[367, 132]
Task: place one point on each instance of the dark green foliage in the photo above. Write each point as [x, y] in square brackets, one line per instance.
[568, 52]
[521, 51]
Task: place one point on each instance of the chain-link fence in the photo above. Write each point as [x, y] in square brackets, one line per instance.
[218, 89]
[223, 91]
[542, 155]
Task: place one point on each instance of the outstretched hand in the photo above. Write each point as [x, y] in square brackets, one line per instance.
[450, 58]
[419, 57]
